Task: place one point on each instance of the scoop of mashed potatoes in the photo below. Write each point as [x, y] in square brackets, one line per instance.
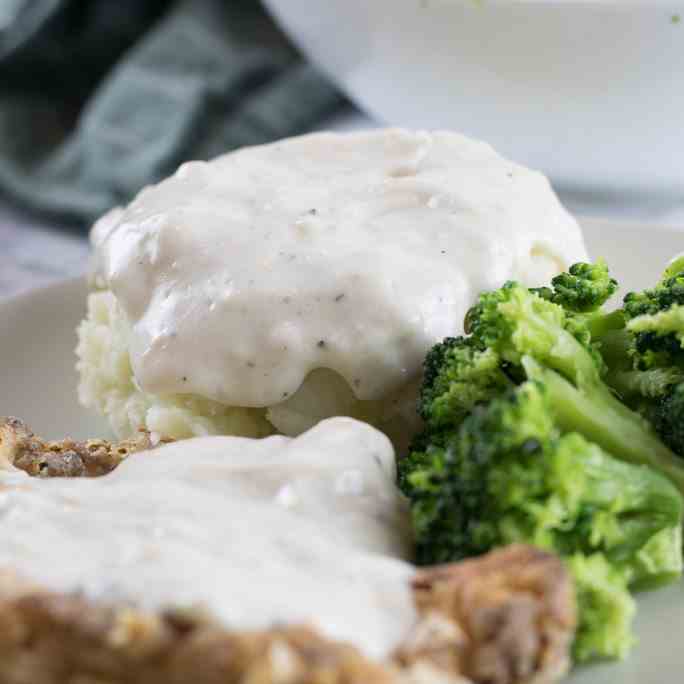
[279, 285]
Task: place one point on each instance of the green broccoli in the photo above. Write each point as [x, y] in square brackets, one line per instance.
[584, 288]
[646, 359]
[515, 334]
[508, 474]
[458, 376]
[606, 608]
[524, 441]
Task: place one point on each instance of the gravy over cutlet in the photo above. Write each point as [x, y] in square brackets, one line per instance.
[257, 532]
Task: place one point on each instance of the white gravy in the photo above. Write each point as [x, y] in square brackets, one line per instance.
[351, 252]
[258, 532]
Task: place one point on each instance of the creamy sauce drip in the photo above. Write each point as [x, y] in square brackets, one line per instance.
[257, 532]
[351, 252]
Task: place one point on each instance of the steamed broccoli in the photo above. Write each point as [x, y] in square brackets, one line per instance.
[647, 357]
[508, 474]
[524, 441]
[516, 334]
[606, 608]
[584, 288]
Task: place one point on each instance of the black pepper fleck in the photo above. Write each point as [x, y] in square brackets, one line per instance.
[185, 378]
[286, 300]
[339, 297]
[286, 394]
[321, 344]
[251, 364]
[357, 382]
[313, 212]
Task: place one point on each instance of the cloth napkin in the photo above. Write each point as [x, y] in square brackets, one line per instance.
[99, 97]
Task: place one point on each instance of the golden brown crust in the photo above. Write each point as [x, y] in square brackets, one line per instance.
[20, 447]
[48, 638]
[506, 617]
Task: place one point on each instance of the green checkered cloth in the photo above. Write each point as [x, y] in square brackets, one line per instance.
[101, 97]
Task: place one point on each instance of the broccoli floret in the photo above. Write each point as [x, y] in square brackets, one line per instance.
[582, 292]
[458, 376]
[538, 339]
[447, 484]
[646, 360]
[525, 441]
[668, 292]
[606, 608]
[658, 337]
[655, 321]
[508, 474]
[584, 288]
[667, 416]
[514, 322]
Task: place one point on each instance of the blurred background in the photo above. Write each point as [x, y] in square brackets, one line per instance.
[99, 98]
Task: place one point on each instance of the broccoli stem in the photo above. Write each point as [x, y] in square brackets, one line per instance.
[603, 419]
[539, 336]
[615, 349]
[646, 506]
[602, 324]
[650, 384]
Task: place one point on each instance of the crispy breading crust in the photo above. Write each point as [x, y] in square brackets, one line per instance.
[505, 618]
[67, 458]
[48, 638]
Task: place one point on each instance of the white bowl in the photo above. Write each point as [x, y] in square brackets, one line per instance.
[589, 91]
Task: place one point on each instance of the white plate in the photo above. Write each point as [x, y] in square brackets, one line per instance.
[38, 384]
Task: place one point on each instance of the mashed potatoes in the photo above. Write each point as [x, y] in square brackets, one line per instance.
[108, 385]
[282, 284]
